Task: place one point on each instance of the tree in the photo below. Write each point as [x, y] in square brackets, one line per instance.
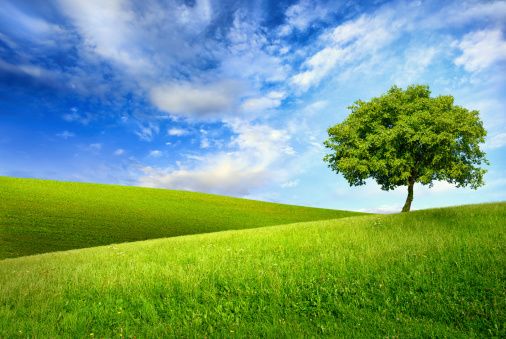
[404, 137]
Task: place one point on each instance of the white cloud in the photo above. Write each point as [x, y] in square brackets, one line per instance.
[497, 182]
[190, 156]
[417, 59]
[133, 39]
[94, 148]
[178, 131]
[111, 30]
[223, 175]
[119, 151]
[66, 134]
[196, 16]
[83, 119]
[255, 159]
[317, 145]
[28, 69]
[384, 209]
[290, 184]
[319, 66]
[481, 49]
[285, 30]
[491, 109]
[303, 14]
[260, 65]
[306, 14]
[194, 100]
[459, 13]
[271, 100]
[262, 142]
[58, 79]
[284, 50]
[250, 55]
[274, 95]
[349, 43]
[316, 106]
[437, 188]
[497, 141]
[155, 153]
[28, 26]
[204, 143]
[148, 131]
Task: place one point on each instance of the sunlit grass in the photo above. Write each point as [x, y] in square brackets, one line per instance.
[425, 274]
[39, 216]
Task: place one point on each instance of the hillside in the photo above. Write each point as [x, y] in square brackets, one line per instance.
[39, 216]
[438, 273]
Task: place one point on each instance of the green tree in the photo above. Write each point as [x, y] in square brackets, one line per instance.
[404, 137]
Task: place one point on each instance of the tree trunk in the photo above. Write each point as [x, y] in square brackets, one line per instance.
[407, 205]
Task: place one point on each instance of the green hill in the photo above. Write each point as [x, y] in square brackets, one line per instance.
[39, 216]
[438, 273]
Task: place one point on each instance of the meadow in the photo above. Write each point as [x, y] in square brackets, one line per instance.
[40, 216]
[437, 273]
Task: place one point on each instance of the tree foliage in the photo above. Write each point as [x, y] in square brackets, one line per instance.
[404, 137]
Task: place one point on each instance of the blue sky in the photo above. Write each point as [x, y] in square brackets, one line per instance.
[235, 97]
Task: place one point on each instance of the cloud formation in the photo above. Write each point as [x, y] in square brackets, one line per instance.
[383, 209]
[178, 132]
[290, 184]
[197, 100]
[496, 141]
[350, 42]
[232, 97]
[66, 134]
[252, 161]
[474, 44]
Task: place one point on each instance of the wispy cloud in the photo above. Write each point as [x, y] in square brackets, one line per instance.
[66, 134]
[75, 116]
[204, 143]
[147, 131]
[261, 81]
[474, 44]
[110, 30]
[306, 14]
[457, 14]
[252, 161]
[496, 141]
[94, 148]
[349, 43]
[417, 59]
[290, 184]
[178, 132]
[196, 100]
[383, 209]
[271, 100]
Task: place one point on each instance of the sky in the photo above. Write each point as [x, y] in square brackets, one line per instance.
[235, 97]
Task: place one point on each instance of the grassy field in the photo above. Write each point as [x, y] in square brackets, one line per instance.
[438, 273]
[39, 216]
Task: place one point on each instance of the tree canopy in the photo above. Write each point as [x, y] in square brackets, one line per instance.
[406, 137]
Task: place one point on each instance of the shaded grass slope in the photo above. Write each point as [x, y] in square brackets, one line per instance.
[438, 273]
[39, 216]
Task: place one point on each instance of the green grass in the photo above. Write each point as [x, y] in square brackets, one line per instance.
[438, 273]
[39, 216]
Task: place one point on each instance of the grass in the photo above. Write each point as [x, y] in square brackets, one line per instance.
[438, 273]
[39, 216]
